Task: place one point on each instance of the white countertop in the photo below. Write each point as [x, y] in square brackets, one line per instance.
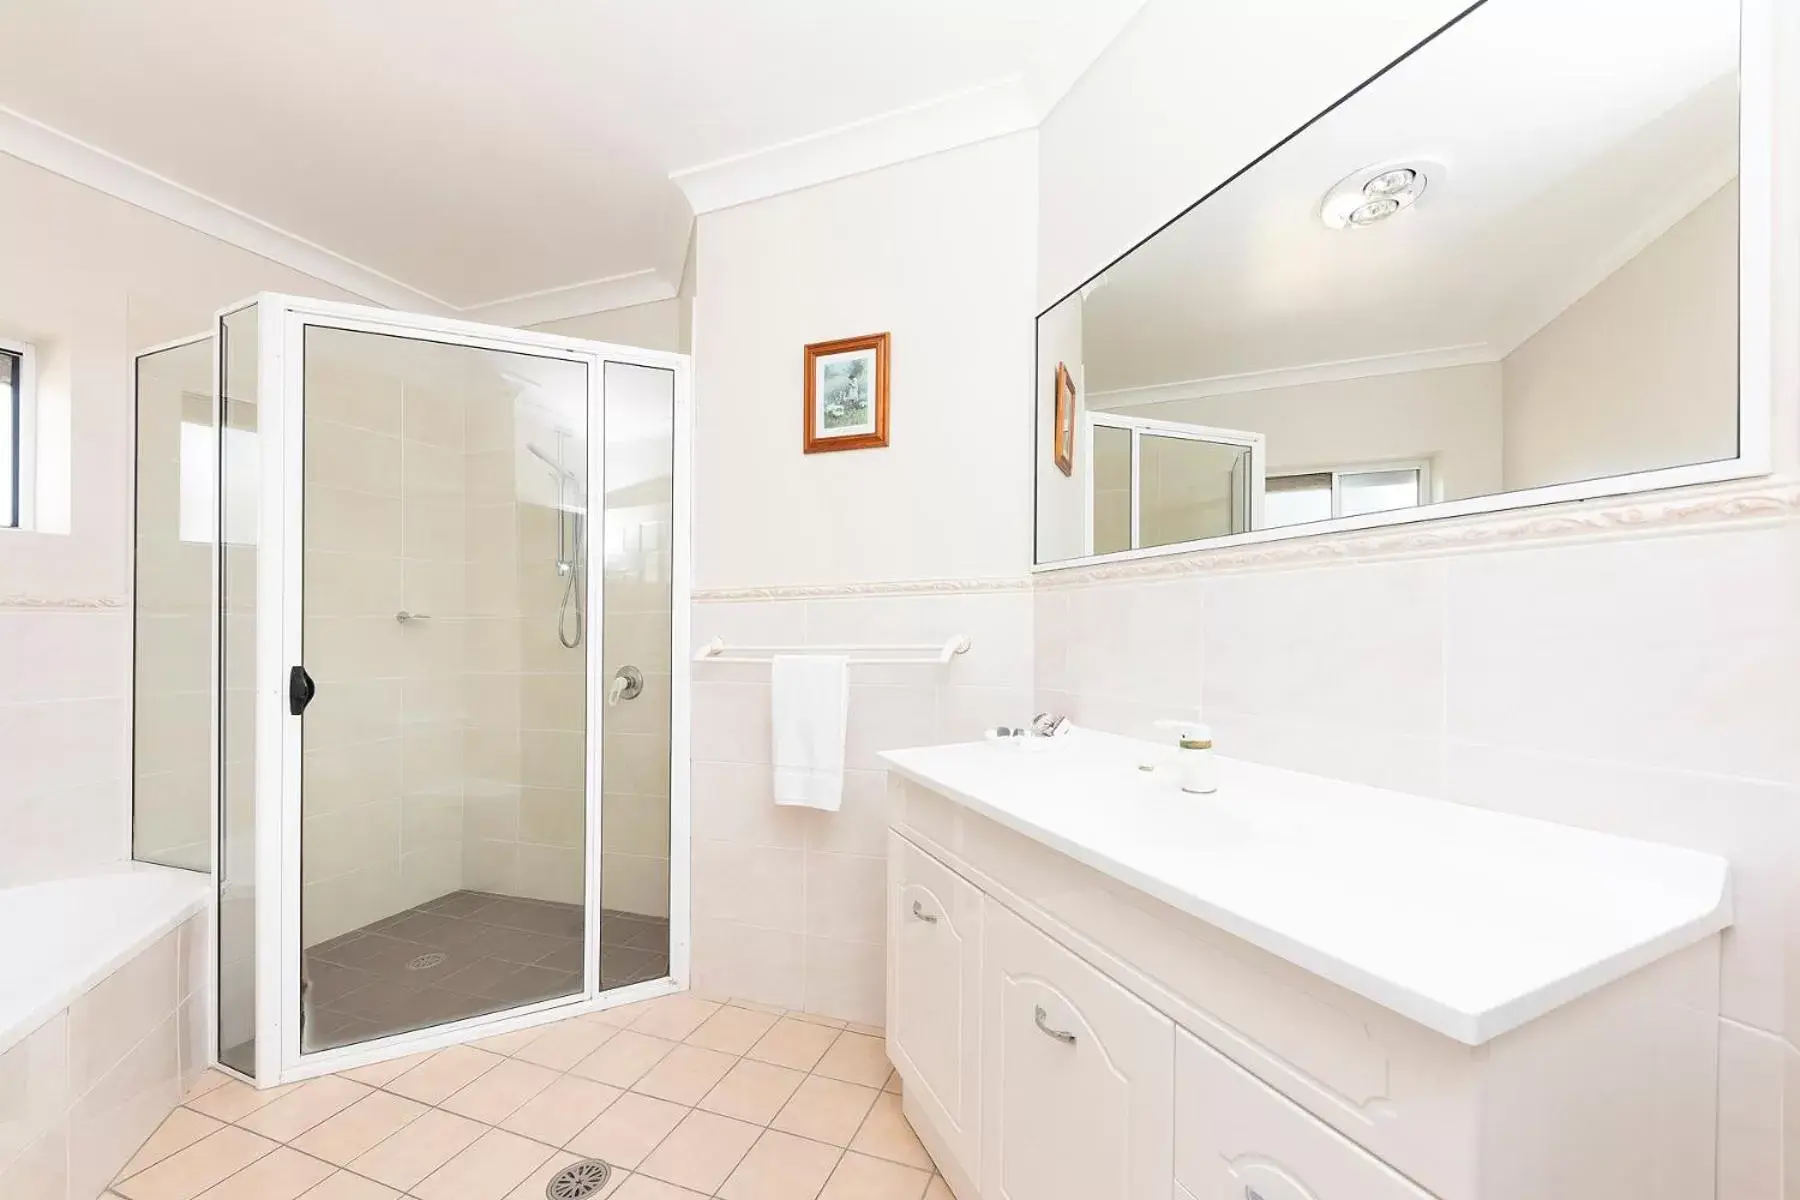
[1467, 921]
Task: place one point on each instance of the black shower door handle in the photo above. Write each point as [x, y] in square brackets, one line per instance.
[301, 689]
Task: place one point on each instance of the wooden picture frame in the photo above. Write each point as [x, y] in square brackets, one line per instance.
[846, 404]
[1063, 444]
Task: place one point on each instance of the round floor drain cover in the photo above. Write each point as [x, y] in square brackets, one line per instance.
[425, 962]
[582, 1179]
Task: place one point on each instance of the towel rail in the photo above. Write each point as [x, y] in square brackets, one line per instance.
[859, 655]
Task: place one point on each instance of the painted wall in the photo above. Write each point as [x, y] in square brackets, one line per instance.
[872, 546]
[1639, 373]
[96, 280]
[654, 326]
[1633, 683]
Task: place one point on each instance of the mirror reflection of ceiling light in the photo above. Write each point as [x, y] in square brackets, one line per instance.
[1375, 193]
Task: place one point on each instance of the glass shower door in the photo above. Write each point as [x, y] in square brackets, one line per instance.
[443, 822]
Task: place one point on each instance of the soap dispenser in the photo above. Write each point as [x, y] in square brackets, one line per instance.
[1194, 768]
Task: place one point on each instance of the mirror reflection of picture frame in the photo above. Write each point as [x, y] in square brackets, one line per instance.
[846, 394]
[1064, 448]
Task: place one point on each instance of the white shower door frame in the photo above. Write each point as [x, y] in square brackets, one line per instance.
[282, 321]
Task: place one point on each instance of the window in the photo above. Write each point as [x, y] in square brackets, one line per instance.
[1344, 492]
[12, 403]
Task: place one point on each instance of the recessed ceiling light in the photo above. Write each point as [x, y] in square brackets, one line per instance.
[1375, 193]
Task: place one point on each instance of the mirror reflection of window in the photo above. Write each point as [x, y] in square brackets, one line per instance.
[1506, 267]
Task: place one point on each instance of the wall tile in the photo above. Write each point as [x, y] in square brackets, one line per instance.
[752, 963]
[1551, 650]
[846, 897]
[735, 802]
[1752, 1069]
[109, 1123]
[846, 979]
[34, 1087]
[751, 885]
[120, 1011]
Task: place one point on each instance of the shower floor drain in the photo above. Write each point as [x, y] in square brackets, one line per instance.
[582, 1179]
[425, 962]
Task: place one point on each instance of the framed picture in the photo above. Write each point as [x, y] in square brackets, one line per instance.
[847, 394]
[1064, 449]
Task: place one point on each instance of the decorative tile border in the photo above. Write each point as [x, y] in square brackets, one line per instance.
[64, 603]
[861, 591]
[1668, 512]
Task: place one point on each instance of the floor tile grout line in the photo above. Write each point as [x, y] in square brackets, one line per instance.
[689, 1109]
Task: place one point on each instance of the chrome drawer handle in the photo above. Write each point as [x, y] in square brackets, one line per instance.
[1067, 1039]
[919, 914]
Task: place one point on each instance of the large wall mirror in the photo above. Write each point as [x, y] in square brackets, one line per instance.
[1504, 271]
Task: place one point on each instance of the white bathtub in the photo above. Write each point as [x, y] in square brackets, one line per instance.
[103, 1021]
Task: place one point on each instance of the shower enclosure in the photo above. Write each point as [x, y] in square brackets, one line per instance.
[451, 792]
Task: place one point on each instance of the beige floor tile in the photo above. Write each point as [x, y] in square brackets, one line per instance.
[856, 1058]
[489, 1169]
[283, 1174]
[444, 1074]
[418, 1150]
[360, 1128]
[179, 1130]
[753, 1091]
[871, 1030]
[859, 1177]
[562, 1110]
[564, 1044]
[826, 1110]
[893, 1083]
[757, 1006]
[820, 1019]
[674, 1017]
[538, 1181]
[782, 1167]
[731, 1030]
[379, 1074]
[624, 1059]
[619, 1015]
[885, 1133]
[629, 1129]
[209, 1079]
[186, 1173]
[937, 1189]
[701, 1152]
[508, 1043]
[793, 1043]
[642, 1187]
[234, 1100]
[685, 1074]
[501, 1092]
[345, 1186]
[304, 1107]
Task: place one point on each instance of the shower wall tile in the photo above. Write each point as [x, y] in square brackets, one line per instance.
[635, 883]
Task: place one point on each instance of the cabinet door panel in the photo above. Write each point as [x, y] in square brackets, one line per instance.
[934, 993]
[1078, 1079]
[1241, 1140]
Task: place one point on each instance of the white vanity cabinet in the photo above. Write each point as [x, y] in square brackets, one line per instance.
[1072, 1021]
[934, 994]
[1077, 1076]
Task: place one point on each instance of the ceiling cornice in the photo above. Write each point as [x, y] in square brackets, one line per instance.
[1434, 359]
[55, 151]
[596, 295]
[960, 119]
[991, 111]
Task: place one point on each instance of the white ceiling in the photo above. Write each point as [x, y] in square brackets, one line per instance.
[1570, 137]
[461, 154]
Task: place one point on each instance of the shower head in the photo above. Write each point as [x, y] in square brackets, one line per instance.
[562, 472]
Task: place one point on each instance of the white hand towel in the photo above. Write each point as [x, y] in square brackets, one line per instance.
[810, 705]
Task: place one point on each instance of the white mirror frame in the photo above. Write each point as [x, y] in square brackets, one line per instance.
[1757, 128]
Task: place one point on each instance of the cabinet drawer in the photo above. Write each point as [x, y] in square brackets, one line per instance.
[1077, 1076]
[934, 994]
[1238, 1139]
